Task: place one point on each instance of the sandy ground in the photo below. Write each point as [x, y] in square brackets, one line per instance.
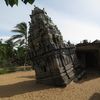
[22, 86]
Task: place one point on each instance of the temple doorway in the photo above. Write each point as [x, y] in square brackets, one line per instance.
[89, 59]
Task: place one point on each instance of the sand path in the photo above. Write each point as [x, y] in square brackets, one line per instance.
[22, 86]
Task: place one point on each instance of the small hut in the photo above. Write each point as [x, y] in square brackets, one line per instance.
[53, 60]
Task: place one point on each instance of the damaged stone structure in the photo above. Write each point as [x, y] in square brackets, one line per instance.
[89, 55]
[54, 61]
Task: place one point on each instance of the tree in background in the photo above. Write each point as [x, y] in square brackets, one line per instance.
[15, 2]
[21, 56]
[22, 37]
[6, 54]
[21, 40]
[10, 57]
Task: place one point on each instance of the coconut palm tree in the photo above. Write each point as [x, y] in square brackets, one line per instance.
[21, 37]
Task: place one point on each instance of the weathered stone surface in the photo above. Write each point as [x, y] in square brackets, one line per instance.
[53, 60]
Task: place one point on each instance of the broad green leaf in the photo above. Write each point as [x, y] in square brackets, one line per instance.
[31, 1]
[11, 2]
[16, 1]
[7, 2]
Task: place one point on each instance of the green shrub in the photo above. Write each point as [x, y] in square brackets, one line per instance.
[3, 70]
[7, 70]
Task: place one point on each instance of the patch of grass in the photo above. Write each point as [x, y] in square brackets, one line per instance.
[6, 70]
[3, 70]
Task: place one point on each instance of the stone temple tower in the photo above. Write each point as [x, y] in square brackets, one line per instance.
[53, 60]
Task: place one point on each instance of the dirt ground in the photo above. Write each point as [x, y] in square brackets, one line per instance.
[23, 86]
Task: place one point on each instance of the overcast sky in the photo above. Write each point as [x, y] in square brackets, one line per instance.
[76, 19]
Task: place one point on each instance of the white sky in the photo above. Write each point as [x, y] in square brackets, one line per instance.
[76, 19]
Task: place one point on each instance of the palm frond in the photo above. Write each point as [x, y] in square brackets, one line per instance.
[22, 37]
[18, 31]
[22, 27]
[15, 37]
[22, 42]
[17, 41]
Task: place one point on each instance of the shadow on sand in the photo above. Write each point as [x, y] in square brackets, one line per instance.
[31, 77]
[89, 76]
[95, 96]
[21, 88]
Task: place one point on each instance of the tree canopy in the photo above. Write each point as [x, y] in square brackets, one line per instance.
[22, 37]
[15, 2]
